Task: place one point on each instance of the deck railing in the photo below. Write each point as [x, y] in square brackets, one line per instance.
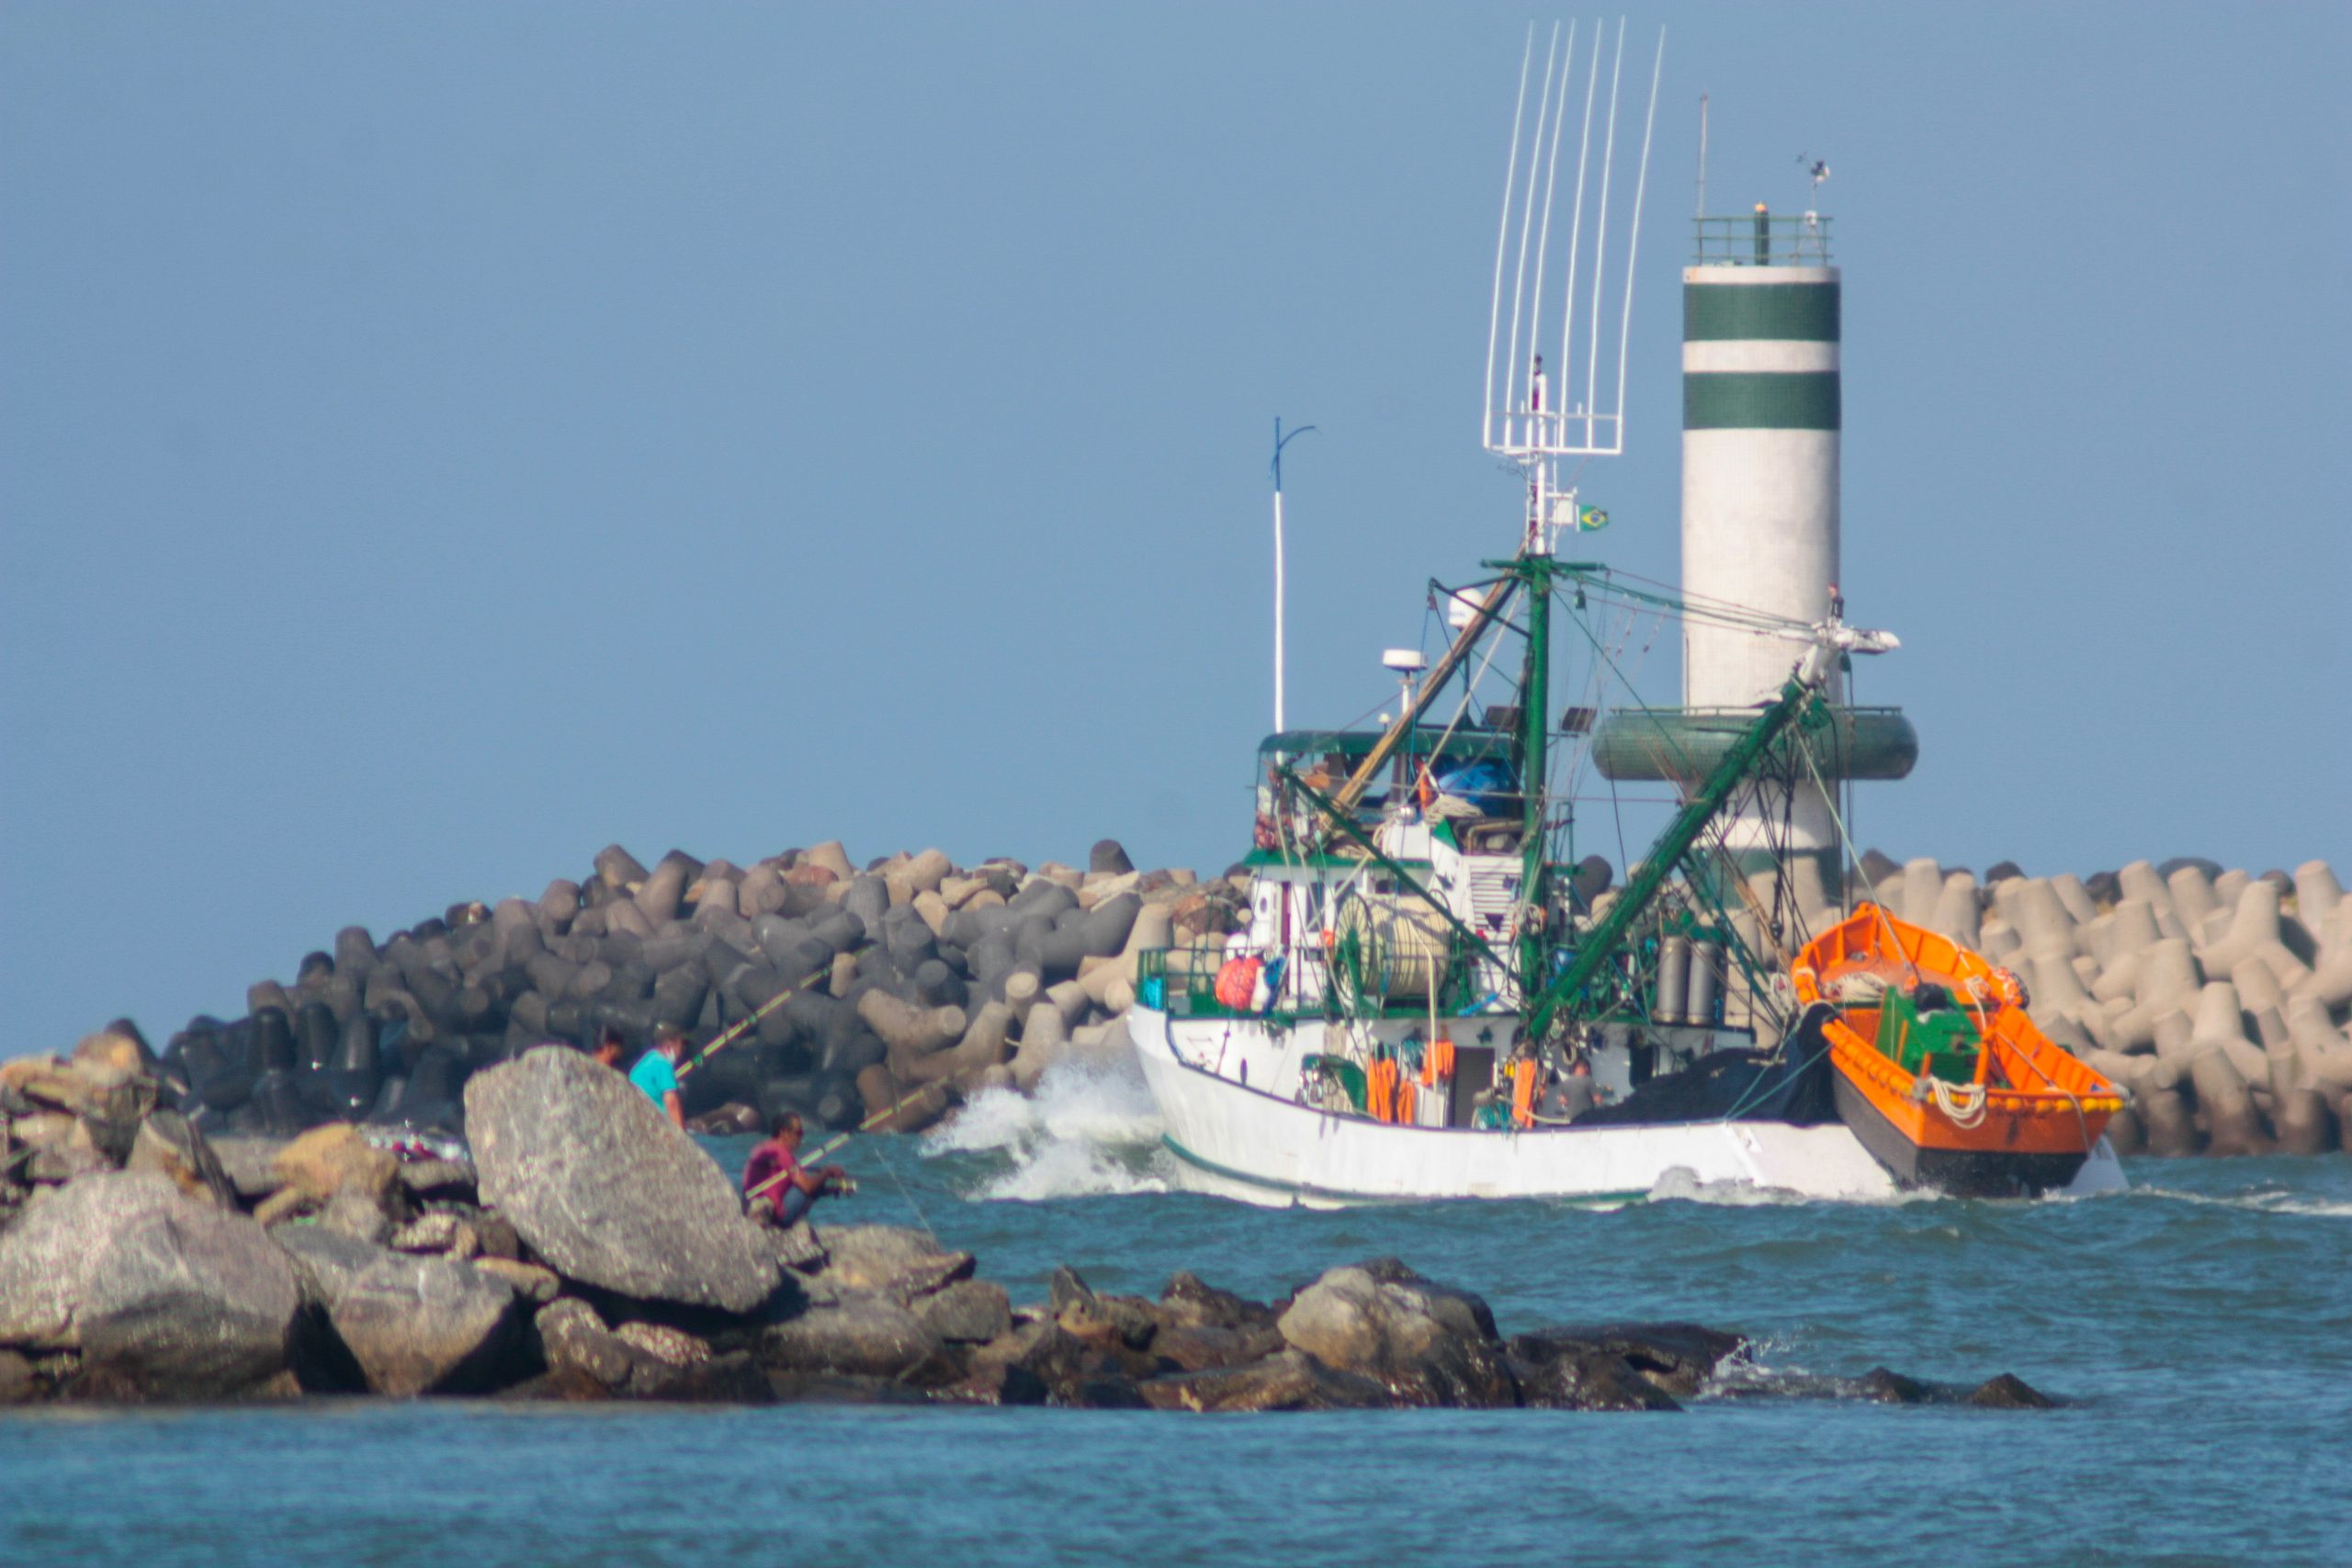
[1763, 239]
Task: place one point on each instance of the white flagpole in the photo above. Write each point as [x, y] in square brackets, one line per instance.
[1281, 441]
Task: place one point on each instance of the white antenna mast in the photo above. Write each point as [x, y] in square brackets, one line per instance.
[1703, 155]
[1281, 441]
[1534, 416]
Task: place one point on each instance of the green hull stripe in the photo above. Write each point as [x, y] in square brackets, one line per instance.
[1761, 401]
[1804, 311]
[1327, 1195]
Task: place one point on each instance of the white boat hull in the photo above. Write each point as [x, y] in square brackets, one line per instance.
[1244, 1142]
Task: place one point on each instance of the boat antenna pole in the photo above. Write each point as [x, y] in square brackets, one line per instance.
[1281, 441]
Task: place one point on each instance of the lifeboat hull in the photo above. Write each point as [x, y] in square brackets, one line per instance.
[1960, 1172]
[2028, 1124]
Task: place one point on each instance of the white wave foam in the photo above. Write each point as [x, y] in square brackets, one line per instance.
[1071, 1170]
[2259, 1200]
[1087, 1132]
[1679, 1184]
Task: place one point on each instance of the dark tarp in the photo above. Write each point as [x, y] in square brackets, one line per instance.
[1788, 1084]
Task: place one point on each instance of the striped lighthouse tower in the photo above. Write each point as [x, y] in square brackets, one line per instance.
[1761, 408]
[1760, 415]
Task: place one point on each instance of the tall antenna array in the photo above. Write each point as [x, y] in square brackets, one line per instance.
[1539, 412]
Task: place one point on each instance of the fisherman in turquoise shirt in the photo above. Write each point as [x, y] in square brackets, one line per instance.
[657, 1071]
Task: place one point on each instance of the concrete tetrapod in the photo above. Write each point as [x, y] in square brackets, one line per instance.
[2324, 1055]
[1957, 910]
[1923, 886]
[983, 1045]
[2231, 1127]
[2331, 981]
[2254, 932]
[2317, 892]
[2192, 895]
[2132, 933]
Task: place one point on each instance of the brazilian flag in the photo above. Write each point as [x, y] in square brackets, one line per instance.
[1591, 520]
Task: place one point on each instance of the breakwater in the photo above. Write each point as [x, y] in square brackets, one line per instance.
[2219, 999]
[907, 986]
[590, 1250]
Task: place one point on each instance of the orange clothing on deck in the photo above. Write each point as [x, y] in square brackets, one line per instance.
[1522, 1092]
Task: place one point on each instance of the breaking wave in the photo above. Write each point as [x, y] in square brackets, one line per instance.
[1088, 1132]
[2253, 1200]
[1679, 1184]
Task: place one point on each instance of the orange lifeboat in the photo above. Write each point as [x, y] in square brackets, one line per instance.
[1936, 1068]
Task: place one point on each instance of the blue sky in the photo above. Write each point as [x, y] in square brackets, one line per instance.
[437, 441]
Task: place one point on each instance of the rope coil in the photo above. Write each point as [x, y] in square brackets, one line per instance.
[1962, 1104]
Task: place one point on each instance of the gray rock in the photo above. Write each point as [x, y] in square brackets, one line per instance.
[971, 1311]
[573, 1338]
[674, 1347]
[1189, 1301]
[1115, 1321]
[68, 1159]
[438, 1178]
[901, 1263]
[1291, 1380]
[1425, 1343]
[529, 1280]
[1884, 1385]
[48, 1256]
[735, 1378]
[251, 1165]
[1584, 1379]
[437, 1230]
[169, 1147]
[354, 1213]
[18, 1383]
[1066, 1288]
[421, 1325]
[2010, 1391]
[326, 1262]
[1206, 1347]
[1675, 1358]
[864, 1333]
[1070, 1371]
[189, 1302]
[604, 1189]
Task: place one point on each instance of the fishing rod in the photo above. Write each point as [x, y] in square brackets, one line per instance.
[838, 1139]
[750, 1020]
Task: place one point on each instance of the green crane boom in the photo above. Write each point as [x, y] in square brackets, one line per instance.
[1599, 944]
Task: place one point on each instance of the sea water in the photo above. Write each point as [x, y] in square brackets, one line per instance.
[2199, 1330]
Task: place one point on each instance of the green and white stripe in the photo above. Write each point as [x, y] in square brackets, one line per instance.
[1759, 348]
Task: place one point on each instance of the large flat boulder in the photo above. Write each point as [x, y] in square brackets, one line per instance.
[48, 1256]
[865, 1333]
[412, 1325]
[601, 1186]
[900, 1263]
[189, 1302]
[1426, 1343]
[423, 1325]
[325, 1259]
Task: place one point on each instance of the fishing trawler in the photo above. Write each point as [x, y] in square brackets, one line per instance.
[1431, 991]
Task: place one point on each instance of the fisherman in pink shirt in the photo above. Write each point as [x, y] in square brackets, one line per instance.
[775, 1165]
